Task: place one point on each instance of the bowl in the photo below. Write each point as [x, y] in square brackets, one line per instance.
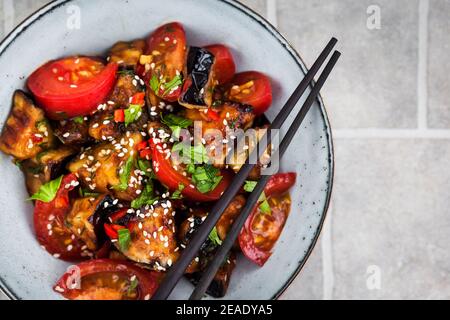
[69, 27]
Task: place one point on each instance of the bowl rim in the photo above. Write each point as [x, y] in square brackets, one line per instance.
[256, 17]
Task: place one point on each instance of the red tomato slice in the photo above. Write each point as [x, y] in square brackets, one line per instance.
[251, 88]
[224, 67]
[49, 224]
[172, 179]
[106, 279]
[72, 87]
[261, 231]
[167, 48]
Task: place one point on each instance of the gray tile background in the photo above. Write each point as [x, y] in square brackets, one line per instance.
[389, 218]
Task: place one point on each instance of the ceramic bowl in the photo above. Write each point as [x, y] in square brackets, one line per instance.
[26, 270]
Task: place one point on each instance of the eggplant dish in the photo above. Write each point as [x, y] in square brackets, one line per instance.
[103, 142]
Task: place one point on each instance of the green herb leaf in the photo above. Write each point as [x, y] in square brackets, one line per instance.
[249, 186]
[147, 197]
[86, 193]
[132, 114]
[79, 120]
[133, 285]
[124, 239]
[191, 154]
[172, 84]
[265, 207]
[48, 191]
[214, 237]
[177, 194]
[124, 177]
[154, 83]
[206, 178]
[172, 120]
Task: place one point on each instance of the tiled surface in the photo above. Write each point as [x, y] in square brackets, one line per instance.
[390, 207]
[378, 71]
[391, 210]
[439, 48]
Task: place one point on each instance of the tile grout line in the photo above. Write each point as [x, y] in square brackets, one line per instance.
[8, 16]
[422, 66]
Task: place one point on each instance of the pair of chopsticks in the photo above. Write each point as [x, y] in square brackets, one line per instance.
[201, 235]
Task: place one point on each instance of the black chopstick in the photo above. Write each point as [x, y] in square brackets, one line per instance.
[199, 237]
[237, 226]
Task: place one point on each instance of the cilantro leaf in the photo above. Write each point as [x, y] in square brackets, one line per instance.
[48, 191]
[214, 237]
[132, 114]
[206, 178]
[133, 285]
[124, 239]
[172, 120]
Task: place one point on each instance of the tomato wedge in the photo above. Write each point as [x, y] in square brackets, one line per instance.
[106, 279]
[224, 66]
[172, 179]
[49, 224]
[251, 88]
[73, 86]
[262, 230]
[164, 61]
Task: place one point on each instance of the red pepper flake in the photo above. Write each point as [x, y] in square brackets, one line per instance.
[141, 146]
[145, 154]
[138, 99]
[119, 115]
[213, 115]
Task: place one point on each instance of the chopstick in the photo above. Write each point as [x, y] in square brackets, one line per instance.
[199, 237]
[237, 226]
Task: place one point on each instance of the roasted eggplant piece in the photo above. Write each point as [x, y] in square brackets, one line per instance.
[102, 125]
[229, 216]
[219, 286]
[45, 167]
[105, 167]
[27, 132]
[198, 88]
[127, 54]
[86, 219]
[153, 237]
[73, 132]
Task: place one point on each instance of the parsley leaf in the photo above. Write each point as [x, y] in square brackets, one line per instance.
[133, 285]
[48, 191]
[191, 154]
[250, 186]
[265, 207]
[206, 178]
[172, 120]
[214, 237]
[124, 239]
[177, 194]
[146, 197]
[124, 177]
[132, 114]
[172, 84]
[154, 83]
[79, 120]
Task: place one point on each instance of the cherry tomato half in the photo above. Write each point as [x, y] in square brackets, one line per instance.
[251, 88]
[72, 87]
[106, 279]
[224, 66]
[165, 55]
[262, 230]
[172, 179]
[49, 224]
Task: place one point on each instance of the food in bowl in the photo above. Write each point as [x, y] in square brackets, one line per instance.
[125, 156]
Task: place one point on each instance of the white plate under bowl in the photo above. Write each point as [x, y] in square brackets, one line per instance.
[27, 271]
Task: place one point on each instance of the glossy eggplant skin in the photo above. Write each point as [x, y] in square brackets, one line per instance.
[219, 286]
[72, 133]
[199, 84]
